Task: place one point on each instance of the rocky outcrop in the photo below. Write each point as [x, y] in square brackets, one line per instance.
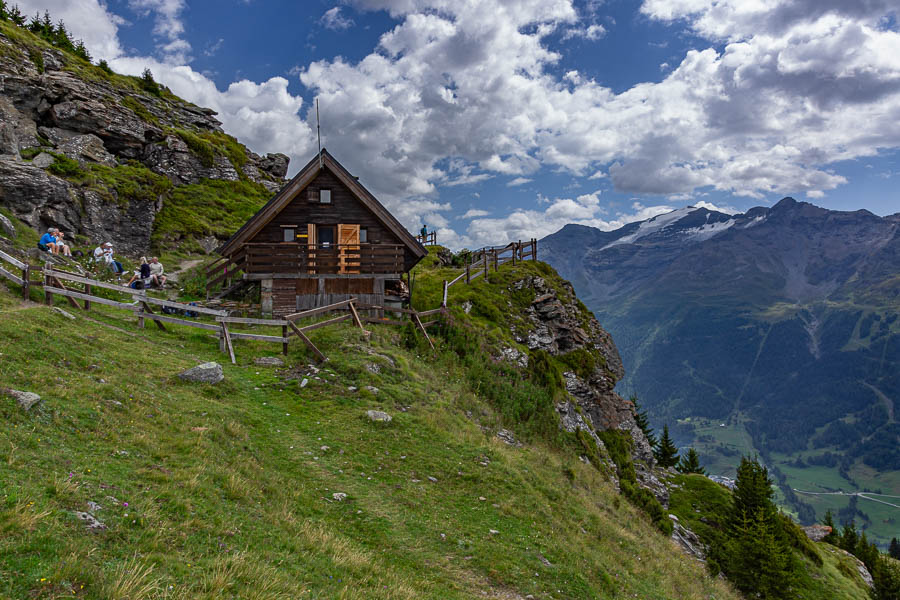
[560, 324]
[97, 121]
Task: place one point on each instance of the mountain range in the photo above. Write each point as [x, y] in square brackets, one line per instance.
[774, 331]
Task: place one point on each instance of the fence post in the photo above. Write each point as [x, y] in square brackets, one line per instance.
[484, 258]
[533, 248]
[444, 301]
[87, 290]
[284, 345]
[48, 297]
[26, 284]
[468, 274]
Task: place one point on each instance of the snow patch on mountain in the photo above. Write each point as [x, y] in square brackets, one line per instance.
[661, 222]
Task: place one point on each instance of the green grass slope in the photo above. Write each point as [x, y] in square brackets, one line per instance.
[227, 491]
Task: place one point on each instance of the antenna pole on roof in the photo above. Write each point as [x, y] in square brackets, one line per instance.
[319, 133]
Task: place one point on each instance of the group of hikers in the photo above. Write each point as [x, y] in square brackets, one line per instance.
[150, 273]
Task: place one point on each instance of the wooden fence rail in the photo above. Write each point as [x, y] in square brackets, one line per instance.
[52, 283]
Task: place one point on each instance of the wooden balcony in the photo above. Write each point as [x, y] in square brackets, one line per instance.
[324, 259]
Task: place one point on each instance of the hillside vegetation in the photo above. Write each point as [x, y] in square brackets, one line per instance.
[228, 490]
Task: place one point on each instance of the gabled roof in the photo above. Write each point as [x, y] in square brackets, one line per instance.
[296, 186]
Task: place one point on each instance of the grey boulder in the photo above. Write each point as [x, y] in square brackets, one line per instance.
[210, 372]
[378, 416]
[26, 400]
[6, 227]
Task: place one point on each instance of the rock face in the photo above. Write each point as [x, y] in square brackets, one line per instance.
[97, 122]
[6, 227]
[560, 326]
[210, 372]
[817, 532]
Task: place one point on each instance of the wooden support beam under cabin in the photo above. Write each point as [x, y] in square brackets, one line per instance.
[307, 341]
[418, 322]
[227, 337]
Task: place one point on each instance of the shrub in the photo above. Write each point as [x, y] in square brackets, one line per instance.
[581, 362]
[63, 166]
[104, 66]
[148, 83]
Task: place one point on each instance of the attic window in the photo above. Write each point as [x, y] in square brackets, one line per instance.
[363, 235]
[288, 233]
[324, 196]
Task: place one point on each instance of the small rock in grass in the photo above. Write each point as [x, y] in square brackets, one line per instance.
[372, 389]
[64, 313]
[373, 368]
[210, 372]
[351, 388]
[93, 506]
[432, 479]
[493, 531]
[269, 361]
[482, 498]
[377, 415]
[304, 383]
[90, 522]
[339, 496]
[26, 400]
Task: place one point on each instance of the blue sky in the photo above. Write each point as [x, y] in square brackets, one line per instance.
[505, 119]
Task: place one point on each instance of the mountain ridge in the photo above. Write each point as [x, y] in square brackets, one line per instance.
[780, 323]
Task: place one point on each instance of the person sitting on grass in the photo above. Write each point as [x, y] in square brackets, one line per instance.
[143, 275]
[156, 273]
[47, 243]
[61, 246]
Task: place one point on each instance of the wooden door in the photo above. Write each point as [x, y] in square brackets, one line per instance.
[310, 248]
[348, 245]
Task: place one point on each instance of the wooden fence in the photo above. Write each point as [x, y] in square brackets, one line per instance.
[52, 281]
[429, 239]
[479, 262]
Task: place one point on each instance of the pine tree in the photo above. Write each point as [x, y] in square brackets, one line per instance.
[759, 562]
[81, 51]
[753, 490]
[849, 537]
[148, 83]
[666, 452]
[16, 16]
[758, 553]
[640, 417]
[690, 463]
[4, 15]
[894, 548]
[831, 538]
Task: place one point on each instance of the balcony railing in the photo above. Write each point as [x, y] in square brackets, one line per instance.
[324, 259]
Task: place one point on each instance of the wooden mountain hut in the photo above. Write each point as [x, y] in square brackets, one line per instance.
[322, 239]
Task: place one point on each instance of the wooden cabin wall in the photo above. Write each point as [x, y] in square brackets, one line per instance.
[293, 295]
[344, 208]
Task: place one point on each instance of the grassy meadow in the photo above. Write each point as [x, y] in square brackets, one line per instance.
[228, 490]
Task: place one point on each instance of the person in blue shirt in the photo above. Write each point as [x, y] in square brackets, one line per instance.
[47, 243]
